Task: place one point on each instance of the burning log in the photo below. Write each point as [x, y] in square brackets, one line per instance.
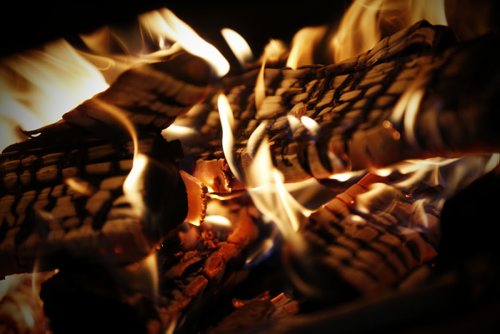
[195, 263]
[151, 96]
[372, 110]
[69, 199]
[365, 248]
[62, 192]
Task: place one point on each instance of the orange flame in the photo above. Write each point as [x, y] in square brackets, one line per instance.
[303, 45]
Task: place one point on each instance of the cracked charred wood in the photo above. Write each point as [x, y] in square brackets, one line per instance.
[69, 199]
[363, 252]
[363, 107]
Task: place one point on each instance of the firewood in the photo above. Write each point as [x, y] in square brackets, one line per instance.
[208, 262]
[367, 252]
[195, 264]
[355, 101]
[65, 199]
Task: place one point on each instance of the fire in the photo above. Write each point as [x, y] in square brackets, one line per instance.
[304, 43]
[38, 86]
[272, 52]
[217, 220]
[238, 45]
[267, 189]
[310, 125]
[165, 24]
[361, 26]
[227, 123]
[260, 86]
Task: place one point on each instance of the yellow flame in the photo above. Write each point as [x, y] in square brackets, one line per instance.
[406, 111]
[227, 123]
[361, 26]
[303, 46]
[175, 131]
[165, 24]
[238, 45]
[260, 86]
[255, 138]
[217, 220]
[38, 86]
[274, 51]
[267, 189]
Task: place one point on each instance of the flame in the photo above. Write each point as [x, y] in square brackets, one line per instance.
[227, 123]
[238, 45]
[267, 189]
[361, 26]
[310, 125]
[175, 131]
[217, 220]
[38, 86]
[273, 51]
[303, 45]
[165, 24]
[260, 86]
[294, 122]
[79, 186]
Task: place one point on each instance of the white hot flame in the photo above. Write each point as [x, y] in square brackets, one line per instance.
[310, 125]
[238, 45]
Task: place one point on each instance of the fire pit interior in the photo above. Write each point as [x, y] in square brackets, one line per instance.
[160, 175]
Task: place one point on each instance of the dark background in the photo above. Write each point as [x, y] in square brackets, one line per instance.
[28, 24]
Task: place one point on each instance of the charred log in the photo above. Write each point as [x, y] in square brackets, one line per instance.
[360, 106]
[363, 253]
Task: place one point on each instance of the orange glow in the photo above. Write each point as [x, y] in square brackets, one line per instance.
[37, 87]
[238, 45]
